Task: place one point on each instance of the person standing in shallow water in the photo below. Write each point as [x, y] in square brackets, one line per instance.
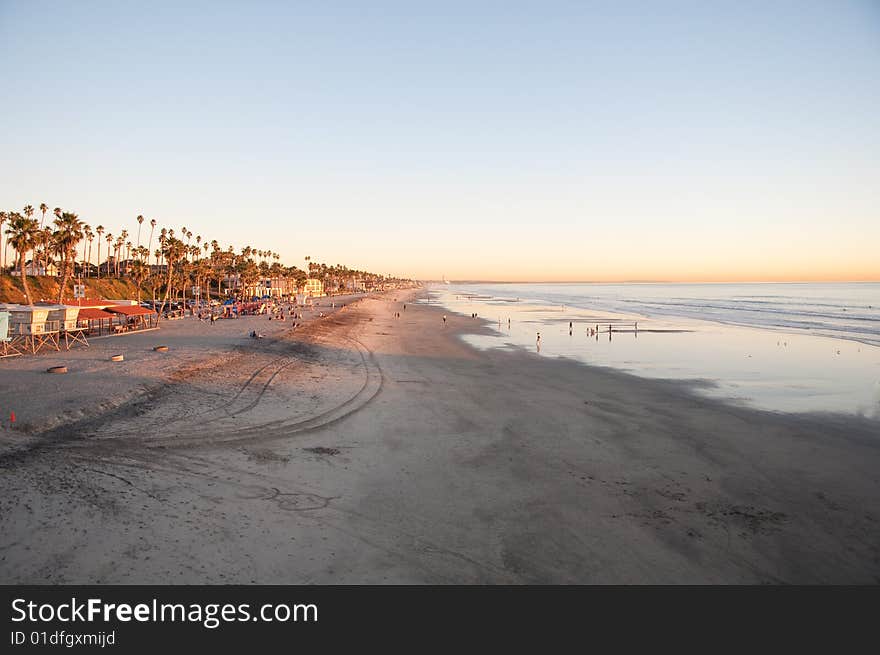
[538, 342]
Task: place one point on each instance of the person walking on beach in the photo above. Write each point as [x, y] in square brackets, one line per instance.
[538, 342]
[444, 320]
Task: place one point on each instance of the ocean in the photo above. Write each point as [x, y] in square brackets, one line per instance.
[794, 347]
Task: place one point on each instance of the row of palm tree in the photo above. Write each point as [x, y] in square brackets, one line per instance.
[25, 234]
[178, 261]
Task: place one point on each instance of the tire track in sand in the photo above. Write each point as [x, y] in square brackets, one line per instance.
[374, 380]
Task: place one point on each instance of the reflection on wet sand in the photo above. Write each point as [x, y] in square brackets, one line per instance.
[764, 368]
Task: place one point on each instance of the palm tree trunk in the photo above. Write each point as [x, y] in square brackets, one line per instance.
[24, 282]
[65, 274]
[167, 290]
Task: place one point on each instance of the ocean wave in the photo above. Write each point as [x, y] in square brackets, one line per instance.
[845, 311]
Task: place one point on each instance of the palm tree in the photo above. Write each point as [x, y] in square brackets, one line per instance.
[248, 273]
[150, 242]
[91, 237]
[163, 234]
[188, 236]
[140, 219]
[28, 212]
[120, 242]
[44, 239]
[22, 233]
[117, 252]
[68, 234]
[100, 231]
[3, 217]
[85, 233]
[172, 249]
[43, 209]
[109, 239]
[139, 273]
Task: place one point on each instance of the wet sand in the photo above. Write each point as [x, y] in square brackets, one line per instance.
[366, 448]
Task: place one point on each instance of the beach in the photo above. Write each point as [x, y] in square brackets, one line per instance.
[366, 448]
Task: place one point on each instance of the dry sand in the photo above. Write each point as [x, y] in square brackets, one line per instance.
[365, 448]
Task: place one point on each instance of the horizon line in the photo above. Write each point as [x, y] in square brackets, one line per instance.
[489, 281]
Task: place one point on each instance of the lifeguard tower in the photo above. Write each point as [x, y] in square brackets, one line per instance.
[69, 330]
[6, 347]
[31, 330]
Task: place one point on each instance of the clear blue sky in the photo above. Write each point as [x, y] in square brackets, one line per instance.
[495, 140]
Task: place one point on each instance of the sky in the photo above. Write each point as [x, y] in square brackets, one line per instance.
[545, 141]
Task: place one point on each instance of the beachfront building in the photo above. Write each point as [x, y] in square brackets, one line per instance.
[108, 268]
[42, 268]
[272, 287]
[85, 269]
[313, 288]
[260, 288]
[231, 283]
[356, 285]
